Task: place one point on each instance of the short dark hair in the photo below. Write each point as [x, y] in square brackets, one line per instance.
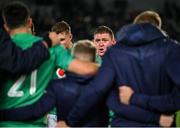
[85, 47]
[104, 29]
[149, 17]
[15, 14]
[60, 27]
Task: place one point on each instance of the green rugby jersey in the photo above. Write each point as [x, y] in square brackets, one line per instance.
[57, 68]
[178, 119]
[57, 76]
[98, 59]
[27, 89]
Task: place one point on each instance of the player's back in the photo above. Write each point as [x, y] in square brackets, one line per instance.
[143, 52]
[26, 89]
[68, 90]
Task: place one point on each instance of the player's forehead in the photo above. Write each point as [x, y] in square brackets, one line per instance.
[102, 36]
[63, 35]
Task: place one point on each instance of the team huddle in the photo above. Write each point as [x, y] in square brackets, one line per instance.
[130, 80]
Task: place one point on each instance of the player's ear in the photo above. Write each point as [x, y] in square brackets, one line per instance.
[71, 36]
[94, 41]
[6, 28]
[113, 42]
[30, 25]
[29, 22]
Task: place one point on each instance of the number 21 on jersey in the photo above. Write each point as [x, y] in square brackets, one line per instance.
[14, 90]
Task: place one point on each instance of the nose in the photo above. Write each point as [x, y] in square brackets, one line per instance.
[101, 43]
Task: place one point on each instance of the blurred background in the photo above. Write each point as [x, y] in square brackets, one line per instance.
[86, 15]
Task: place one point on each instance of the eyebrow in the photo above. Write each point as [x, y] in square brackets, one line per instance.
[101, 39]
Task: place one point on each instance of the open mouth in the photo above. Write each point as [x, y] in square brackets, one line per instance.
[101, 50]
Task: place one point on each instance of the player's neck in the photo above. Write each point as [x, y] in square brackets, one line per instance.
[20, 30]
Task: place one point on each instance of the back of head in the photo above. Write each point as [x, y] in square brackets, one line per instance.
[60, 27]
[84, 50]
[148, 17]
[15, 14]
[104, 29]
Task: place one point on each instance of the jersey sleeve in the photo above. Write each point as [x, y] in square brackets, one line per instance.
[63, 57]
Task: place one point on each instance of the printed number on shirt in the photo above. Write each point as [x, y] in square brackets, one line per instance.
[14, 90]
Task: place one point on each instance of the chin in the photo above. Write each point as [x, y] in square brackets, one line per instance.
[101, 54]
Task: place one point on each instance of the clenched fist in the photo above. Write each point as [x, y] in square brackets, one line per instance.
[166, 120]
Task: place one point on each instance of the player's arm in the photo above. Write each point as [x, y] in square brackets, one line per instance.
[67, 62]
[131, 111]
[93, 93]
[34, 111]
[168, 103]
[164, 103]
[144, 116]
[15, 60]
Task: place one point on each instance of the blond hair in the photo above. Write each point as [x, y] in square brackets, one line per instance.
[85, 47]
[149, 17]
